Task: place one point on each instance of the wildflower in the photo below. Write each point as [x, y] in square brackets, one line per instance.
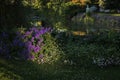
[41, 56]
[28, 33]
[37, 49]
[31, 57]
[32, 39]
[40, 41]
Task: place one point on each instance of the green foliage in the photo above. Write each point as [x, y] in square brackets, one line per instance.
[106, 4]
[58, 13]
[92, 49]
[51, 51]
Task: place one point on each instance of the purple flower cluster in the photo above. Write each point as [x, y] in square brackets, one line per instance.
[33, 41]
[26, 45]
[34, 38]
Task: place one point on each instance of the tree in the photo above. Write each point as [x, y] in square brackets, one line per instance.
[109, 4]
[11, 13]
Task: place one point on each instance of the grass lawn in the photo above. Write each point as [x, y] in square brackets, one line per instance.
[115, 14]
[25, 70]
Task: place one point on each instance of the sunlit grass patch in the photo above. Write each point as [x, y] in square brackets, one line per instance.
[80, 33]
[115, 14]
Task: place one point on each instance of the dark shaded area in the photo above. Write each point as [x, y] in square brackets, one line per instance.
[25, 70]
[21, 70]
[13, 14]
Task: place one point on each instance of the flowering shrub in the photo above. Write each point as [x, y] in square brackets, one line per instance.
[33, 41]
[25, 45]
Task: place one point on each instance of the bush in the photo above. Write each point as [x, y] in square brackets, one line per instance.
[34, 44]
[51, 50]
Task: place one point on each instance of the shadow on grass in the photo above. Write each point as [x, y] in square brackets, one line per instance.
[24, 70]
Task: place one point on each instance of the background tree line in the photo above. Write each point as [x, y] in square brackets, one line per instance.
[16, 13]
